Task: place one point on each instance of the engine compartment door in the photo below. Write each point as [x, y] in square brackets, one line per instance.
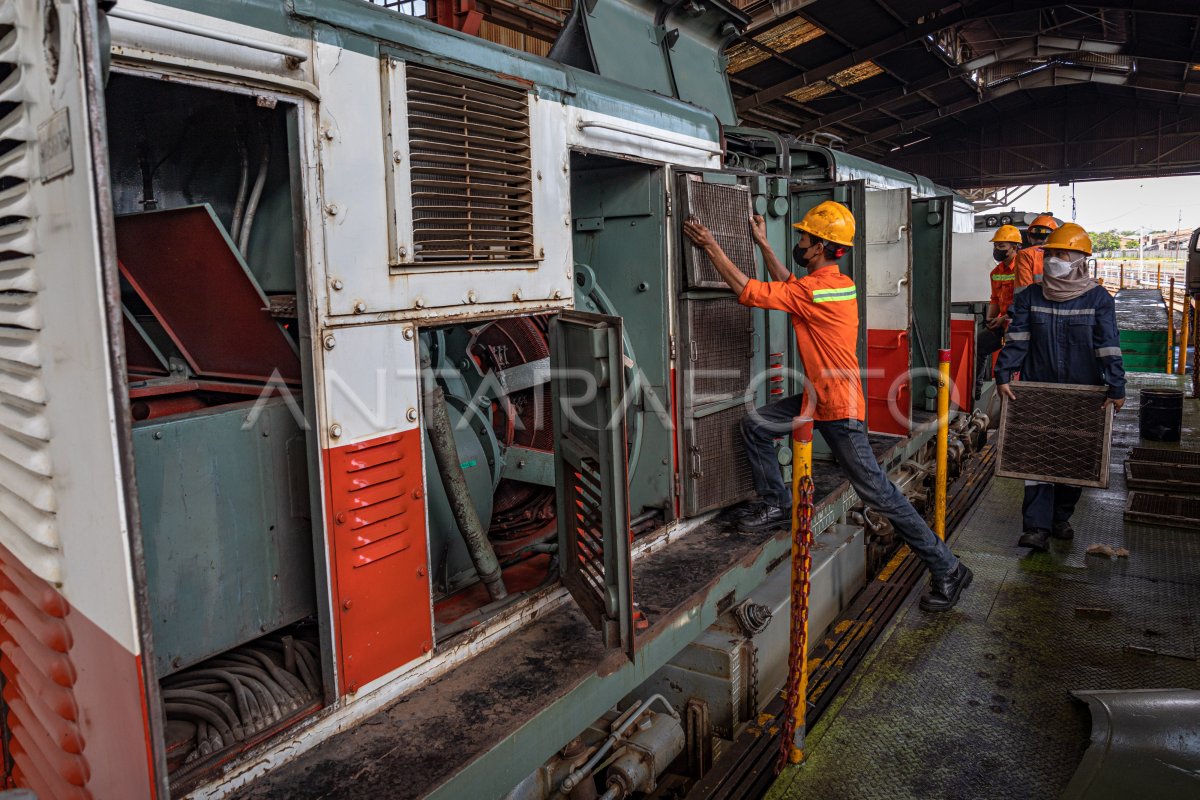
[590, 464]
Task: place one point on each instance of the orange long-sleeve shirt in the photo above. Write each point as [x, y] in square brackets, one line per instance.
[1028, 266]
[1003, 279]
[824, 310]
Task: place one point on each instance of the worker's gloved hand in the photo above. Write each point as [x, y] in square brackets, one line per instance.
[1115, 403]
[1005, 391]
[758, 229]
[701, 236]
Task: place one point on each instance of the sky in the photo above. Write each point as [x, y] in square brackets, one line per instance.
[1155, 203]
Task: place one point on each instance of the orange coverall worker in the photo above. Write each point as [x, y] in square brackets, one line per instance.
[824, 311]
[1028, 266]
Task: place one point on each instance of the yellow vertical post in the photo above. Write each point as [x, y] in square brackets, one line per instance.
[1171, 326]
[1121, 284]
[1158, 276]
[792, 741]
[1183, 335]
[943, 443]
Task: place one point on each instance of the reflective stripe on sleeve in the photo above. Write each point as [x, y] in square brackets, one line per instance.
[1104, 352]
[1017, 336]
[1009, 277]
[1064, 312]
[834, 295]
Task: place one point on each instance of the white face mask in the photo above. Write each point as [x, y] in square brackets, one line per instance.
[1057, 267]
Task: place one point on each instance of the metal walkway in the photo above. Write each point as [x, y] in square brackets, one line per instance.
[976, 703]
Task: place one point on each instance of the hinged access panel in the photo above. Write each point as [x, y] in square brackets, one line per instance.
[588, 385]
[932, 222]
[725, 209]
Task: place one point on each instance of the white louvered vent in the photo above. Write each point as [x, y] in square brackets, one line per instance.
[27, 502]
[472, 191]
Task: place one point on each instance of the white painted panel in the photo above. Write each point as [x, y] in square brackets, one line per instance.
[357, 154]
[62, 506]
[889, 259]
[592, 130]
[369, 383]
[970, 267]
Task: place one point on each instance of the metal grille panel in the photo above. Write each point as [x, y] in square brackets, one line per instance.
[719, 349]
[1169, 477]
[725, 210]
[1159, 456]
[1057, 433]
[471, 188]
[1164, 509]
[719, 472]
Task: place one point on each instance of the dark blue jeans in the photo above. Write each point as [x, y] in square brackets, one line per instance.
[847, 438]
[1048, 504]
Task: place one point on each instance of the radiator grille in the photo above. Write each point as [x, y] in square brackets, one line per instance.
[1163, 509]
[720, 348]
[471, 187]
[1157, 475]
[719, 473]
[28, 524]
[1055, 433]
[725, 210]
[1156, 455]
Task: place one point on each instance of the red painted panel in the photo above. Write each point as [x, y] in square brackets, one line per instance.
[377, 544]
[962, 363]
[889, 387]
[76, 703]
[186, 270]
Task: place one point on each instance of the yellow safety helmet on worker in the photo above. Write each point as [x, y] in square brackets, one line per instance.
[1065, 248]
[830, 221]
[1007, 233]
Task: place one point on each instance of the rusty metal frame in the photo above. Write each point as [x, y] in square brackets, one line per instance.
[1101, 482]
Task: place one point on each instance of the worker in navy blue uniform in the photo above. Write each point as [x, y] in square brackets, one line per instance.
[1063, 330]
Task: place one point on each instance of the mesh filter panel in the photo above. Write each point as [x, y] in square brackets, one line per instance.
[1057, 433]
[1154, 454]
[724, 210]
[719, 349]
[719, 473]
[1171, 477]
[1164, 509]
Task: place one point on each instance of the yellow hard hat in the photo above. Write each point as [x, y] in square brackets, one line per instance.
[1044, 221]
[830, 221]
[1069, 237]
[1007, 233]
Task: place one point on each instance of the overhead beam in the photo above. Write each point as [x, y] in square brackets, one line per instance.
[952, 14]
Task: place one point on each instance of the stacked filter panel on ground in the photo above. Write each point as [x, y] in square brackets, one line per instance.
[1142, 320]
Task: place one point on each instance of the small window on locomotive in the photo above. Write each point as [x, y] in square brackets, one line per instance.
[469, 162]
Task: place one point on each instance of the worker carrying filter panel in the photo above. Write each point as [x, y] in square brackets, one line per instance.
[1006, 243]
[823, 305]
[1028, 263]
[1063, 330]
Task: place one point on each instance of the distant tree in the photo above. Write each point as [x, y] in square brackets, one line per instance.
[1129, 233]
[1106, 240]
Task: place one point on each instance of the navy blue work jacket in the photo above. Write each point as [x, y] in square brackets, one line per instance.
[1075, 341]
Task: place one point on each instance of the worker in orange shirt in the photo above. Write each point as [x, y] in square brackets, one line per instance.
[823, 306]
[1006, 243]
[1028, 265]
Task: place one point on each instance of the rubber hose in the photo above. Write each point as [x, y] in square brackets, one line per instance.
[208, 700]
[239, 204]
[445, 453]
[204, 713]
[255, 196]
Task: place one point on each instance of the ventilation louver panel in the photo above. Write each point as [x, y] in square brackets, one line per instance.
[720, 346]
[718, 472]
[472, 191]
[724, 210]
[1057, 433]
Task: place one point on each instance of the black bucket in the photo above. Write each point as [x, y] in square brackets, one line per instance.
[1160, 418]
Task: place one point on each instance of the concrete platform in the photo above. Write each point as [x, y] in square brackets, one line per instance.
[976, 703]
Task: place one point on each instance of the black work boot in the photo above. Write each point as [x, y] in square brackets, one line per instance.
[1063, 530]
[766, 518]
[943, 592]
[741, 511]
[1036, 538]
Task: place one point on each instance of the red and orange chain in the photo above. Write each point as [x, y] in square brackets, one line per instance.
[801, 572]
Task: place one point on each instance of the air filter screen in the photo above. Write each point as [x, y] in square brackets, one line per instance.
[1160, 456]
[719, 349]
[1164, 509]
[718, 472]
[1057, 433]
[725, 210]
[1157, 475]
